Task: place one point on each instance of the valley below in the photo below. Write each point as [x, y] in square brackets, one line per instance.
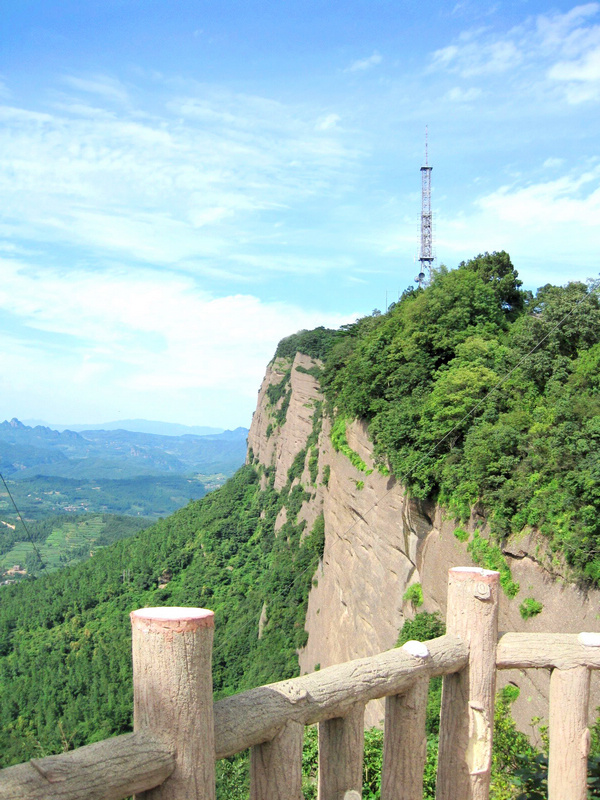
[78, 491]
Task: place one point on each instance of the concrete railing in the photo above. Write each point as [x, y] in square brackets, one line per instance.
[179, 732]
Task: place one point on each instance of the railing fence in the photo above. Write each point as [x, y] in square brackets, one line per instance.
[179, 732]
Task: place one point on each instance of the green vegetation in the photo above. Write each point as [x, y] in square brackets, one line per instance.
[65, 646]
[316, 371]
[460, 416]
[148, 496]
[414, 595]
[530, 608]
[316, 343]
[340, 444]
[63, 541]
[297, 468]
[313, 465]
[461, 535]
[489, 555]
[275, 391]
[477, 392]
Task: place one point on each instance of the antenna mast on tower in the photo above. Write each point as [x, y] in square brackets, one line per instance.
[426, 256]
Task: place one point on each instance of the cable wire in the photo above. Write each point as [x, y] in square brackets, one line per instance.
[29, 536]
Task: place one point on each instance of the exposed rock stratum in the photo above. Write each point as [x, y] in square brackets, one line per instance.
[378, 542]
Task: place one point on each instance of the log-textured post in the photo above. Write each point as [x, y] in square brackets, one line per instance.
[467, 716]
[569, 734]
[172, 687]
[276, 766]
[405, 743]
[341, 753]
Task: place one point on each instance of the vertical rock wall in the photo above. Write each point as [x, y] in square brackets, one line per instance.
[377, 543]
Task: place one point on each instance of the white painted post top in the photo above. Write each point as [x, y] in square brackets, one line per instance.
[416, 649]
[173, 618]
[588, 639]
[478, 571]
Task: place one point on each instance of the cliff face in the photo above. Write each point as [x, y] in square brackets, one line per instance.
[378, 542]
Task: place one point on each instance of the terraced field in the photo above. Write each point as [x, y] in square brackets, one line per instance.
[70, 541]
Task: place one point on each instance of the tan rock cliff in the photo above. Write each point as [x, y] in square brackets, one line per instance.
[378, 542]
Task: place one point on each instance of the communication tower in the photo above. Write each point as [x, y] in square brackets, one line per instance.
[426, 257]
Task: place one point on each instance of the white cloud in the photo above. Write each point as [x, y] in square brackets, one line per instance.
[142, 338]
[553, 163]
[327, 122]
[566, 201]
[548, 227]
[101, 85]
[566, 34]
[581, 75]
[547, 50]
[458, 95]
[171, 187]
[365, 63]
[478, 54]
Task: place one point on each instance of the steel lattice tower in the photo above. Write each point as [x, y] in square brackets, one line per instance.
[426, 257]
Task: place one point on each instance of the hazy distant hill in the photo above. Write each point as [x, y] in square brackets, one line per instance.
[26, 452]
[134, 425]
[114, 471]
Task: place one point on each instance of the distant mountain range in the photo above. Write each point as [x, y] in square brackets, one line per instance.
[134, 425]
[112, 471]
[27, 452]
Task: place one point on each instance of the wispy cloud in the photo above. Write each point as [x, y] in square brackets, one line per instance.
[553, 49]
[540, 223]
[478, 54]
[174, 184]
[363, 64]
[459, 95]
[138, 334]
[570, 200]
[327, 122]
[104, 86]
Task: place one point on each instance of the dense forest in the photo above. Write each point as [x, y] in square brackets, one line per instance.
[480, 394]
[477, 394]
[65, 645]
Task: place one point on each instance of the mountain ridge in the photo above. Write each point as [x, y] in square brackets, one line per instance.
[135, 426]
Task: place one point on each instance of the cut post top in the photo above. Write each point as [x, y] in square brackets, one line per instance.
[172, 618]
[474, 573]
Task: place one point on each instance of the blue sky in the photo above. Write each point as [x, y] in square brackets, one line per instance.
[184, 183]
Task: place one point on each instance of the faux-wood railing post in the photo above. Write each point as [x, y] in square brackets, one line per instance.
[276, 766]
[172, 686]
[467, 717]
[405, 743]
[341, 753]
[569, 734]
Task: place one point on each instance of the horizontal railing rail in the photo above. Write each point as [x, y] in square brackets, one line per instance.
[108, 770]
[548, 651]
[255, 716]
[179, 731]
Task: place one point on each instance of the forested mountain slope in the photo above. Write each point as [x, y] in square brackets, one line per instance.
[512, 485]
[65, 645]
[320, 517]
[478, 394]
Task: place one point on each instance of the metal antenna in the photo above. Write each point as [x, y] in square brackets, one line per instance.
[426, 257]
